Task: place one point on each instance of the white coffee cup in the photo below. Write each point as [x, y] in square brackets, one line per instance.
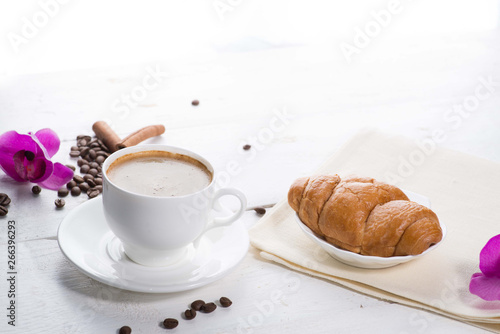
[157, 231]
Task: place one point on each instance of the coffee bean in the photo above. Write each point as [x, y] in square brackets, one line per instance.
[87, 177]
[94, 144]
[94, 164]
[104, 148]
[36, 190]
[71, 184]
[92, 154]
[190, 314]
[76, 191]
[4, 199]
[85, 152]
[84, 169]
[84, 187]
[98, 180]
[100, 159]
[170, 323]
[73, 168]
[78, 179]
[90, 182]
[93, 171]
[260, 211]
[195, 102]
[63, 192]
[125, 330]
[79, 137]
[103, 153]
[225, 302]
[82, 142]
[208, 308]
[247, 147]
[74, 154]
[98, 187]
[3, 210]
[99, 175]
[59, 203]
[82, 162]
[197, 304]
[91, 193]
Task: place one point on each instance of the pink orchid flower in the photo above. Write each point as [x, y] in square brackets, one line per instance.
[486, 284]
[27, 158]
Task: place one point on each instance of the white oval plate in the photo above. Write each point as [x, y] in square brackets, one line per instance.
[365, 261]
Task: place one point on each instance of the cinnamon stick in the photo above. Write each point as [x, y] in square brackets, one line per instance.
[141, 135]
[106, 135]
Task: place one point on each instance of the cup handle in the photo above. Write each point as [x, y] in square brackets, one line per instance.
[224, 221]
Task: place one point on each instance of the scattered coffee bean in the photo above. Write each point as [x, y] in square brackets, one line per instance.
[73, 168]
[90, 182]
[91, 193]
[98, 187]
[260, 211]
[93, 171]
[85, 152]
[84, 169]
[195, 102]
[59, 203]
[74, 154]
[92, 154]
[80, 137]
[102, 153]
[247, 147]
[74, 148]
[208, 308]
[4, 199]
[78, 179]
[93, 144]
[84, 186]
[3, 210]
[36, 190]
[125, 330]
[88, 177]
[190, 314]
[170, 323]
[104, 148]
[82, 142]
[100, 159]
[63, 192]
[197, 304]
[225, 302]
[94, 165]
[76, 191]
[71, 184]
[98, 180]
[82, 162]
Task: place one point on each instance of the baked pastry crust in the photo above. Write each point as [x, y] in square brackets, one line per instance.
[364, 215]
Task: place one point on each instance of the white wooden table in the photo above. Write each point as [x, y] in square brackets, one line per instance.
[411, 93]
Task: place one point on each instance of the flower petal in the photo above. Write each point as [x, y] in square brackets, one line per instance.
[488, 288]
[49, 140]
[12, 142]
[60, 176]
[39, 169]
[489, 258]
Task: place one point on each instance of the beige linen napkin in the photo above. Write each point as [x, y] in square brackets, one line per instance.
[465, 194]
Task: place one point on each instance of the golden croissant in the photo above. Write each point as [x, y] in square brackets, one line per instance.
[364, 216]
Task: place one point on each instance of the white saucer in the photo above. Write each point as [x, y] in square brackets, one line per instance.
[85, 239]
[365, 261]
